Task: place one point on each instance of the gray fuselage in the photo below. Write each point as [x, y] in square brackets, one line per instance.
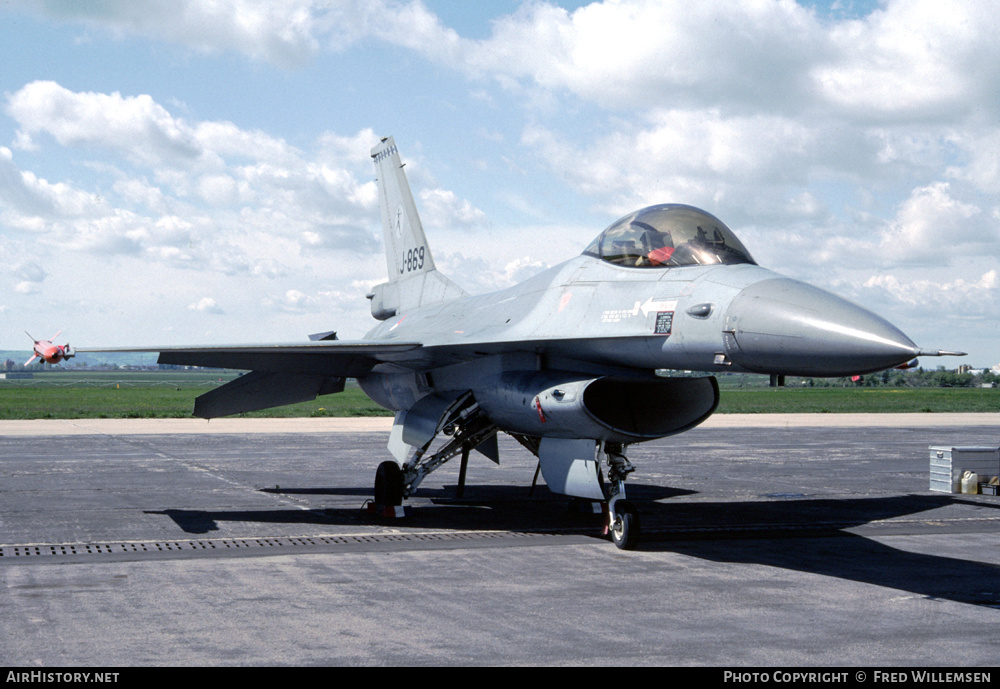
[593, 316]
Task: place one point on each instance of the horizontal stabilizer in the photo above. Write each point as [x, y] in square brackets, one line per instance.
[261, 390]
[405, 294]
[329, 335]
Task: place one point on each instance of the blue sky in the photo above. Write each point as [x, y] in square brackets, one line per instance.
[186, 172]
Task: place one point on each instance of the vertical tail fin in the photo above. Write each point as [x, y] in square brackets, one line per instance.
[413, 279]
[405, 244]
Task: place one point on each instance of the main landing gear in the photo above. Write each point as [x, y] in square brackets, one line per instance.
[395, 483]
[468, 428]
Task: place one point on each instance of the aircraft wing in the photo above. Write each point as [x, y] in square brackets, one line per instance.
[358, 358]
[342, 358]
[279, 373]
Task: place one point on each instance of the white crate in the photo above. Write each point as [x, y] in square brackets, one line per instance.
[949, 463]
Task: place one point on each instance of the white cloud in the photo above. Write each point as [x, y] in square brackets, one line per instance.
[218, 190]
[225, 140]
[914, 58]
[140, 194]
[280, 32]
[294, 301]
[499, 259]
[909, 58]
[17, 194]
[970, 296]
[243, 205]
[614, 53]
[26, 287]
[635, 53]
[135, 127]
[934, 226]
[981, 146]
[206, 305]
[698, 157]
[442, 208]
[201, 170]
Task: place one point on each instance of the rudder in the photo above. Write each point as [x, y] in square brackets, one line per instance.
[413, 279]
[406, 247]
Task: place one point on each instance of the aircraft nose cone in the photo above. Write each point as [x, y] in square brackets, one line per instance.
[788, 327]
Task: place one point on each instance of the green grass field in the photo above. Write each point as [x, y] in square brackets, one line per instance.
[858, 400]
[115, 394]
[144, 395]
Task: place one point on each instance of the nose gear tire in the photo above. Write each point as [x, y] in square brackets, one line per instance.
[625, 526]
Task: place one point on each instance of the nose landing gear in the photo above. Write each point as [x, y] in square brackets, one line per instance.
[623, 518]
[624, 524]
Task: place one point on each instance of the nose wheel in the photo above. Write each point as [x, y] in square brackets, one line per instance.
[624, 524]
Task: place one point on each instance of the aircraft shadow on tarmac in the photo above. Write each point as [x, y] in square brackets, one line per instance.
[505, 492]
[845, 555]
[859, 559]
[804, 535]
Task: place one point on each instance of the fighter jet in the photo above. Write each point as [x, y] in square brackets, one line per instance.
[613, 347]
[50, 353]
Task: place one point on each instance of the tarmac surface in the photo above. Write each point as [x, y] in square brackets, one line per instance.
[771, 540]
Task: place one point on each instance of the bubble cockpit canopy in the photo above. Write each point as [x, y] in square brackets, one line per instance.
[668, 235]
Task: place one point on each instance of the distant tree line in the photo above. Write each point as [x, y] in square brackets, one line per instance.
[912, 378]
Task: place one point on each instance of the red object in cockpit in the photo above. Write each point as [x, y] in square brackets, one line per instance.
[661, 255]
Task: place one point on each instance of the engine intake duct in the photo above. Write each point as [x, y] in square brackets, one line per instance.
[651, 408]
[558, 404]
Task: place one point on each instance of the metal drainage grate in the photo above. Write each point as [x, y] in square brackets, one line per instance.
[652, 532]
[223, 545]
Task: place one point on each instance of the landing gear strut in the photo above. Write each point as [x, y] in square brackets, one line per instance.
[623, 519]
[468, 428]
